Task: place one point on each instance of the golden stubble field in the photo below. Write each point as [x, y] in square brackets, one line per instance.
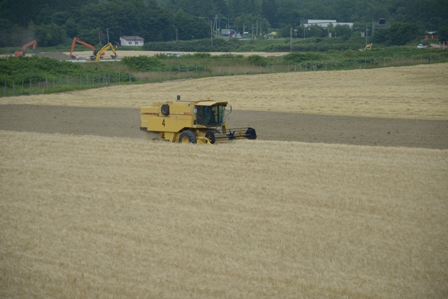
[417, 92]
[89, 216]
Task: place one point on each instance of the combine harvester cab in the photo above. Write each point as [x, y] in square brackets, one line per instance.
[200, 122]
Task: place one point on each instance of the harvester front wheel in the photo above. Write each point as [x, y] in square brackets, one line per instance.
[187, 136]
[211, 136]
[251, 134]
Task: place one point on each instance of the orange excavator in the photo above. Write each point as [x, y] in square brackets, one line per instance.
[22, 52]
[77, 40]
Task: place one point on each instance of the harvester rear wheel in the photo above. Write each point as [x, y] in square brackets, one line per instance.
[187, 136]
[165, 109]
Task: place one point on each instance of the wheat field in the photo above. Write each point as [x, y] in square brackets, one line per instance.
[87, 216]
[99, 217]
[416, 92]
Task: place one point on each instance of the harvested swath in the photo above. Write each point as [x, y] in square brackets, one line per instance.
[110, 217]
[416, 92]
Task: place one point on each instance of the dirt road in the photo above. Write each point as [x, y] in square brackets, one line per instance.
[114, 122]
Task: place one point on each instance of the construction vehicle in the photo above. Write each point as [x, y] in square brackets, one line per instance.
[201, 122]
[104, 49]
[367, 47]
[77, 40]
[22, 52]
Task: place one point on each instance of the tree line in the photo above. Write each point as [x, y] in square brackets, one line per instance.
[54, 22]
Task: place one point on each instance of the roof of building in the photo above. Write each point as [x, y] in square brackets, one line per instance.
[320, 21]
[133, 38]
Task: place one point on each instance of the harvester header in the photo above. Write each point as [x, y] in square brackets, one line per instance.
[191, 122]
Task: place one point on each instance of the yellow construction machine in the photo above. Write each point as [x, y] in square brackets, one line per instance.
[367, 47]
[200, 122]
[104, 49]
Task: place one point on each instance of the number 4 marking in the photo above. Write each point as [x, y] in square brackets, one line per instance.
[163, 122]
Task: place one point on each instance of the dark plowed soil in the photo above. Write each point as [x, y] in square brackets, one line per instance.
[269, 125]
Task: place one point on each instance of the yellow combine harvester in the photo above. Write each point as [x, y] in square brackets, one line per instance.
[200, 122]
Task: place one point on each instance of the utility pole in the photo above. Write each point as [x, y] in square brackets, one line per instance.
[366, 34]
[215, 25]
[290, 39]
[302, 23]
[211, 35]
[211, 32]
[107, 29]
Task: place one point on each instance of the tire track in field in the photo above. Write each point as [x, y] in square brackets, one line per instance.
[114, 122]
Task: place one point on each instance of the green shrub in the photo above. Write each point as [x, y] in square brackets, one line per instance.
[143, 63]
[202, 55]
[298, 57]
[15, 70]
[222, 56]
[160, 55]
[257, 60]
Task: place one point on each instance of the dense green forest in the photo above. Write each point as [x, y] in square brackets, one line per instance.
[56, 22]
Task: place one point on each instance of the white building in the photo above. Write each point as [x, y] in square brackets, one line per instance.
[131, 41]
[323, 23]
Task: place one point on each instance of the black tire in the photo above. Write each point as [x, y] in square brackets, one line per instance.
[187, 136]
[251, 134]
[211, 136]
[165, 109]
